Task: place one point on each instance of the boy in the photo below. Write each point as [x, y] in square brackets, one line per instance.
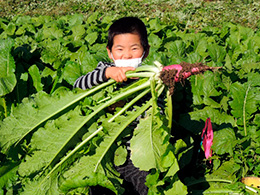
[127, 46]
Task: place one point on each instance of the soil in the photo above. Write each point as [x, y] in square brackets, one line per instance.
[168, 76]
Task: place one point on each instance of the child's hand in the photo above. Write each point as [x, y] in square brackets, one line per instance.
[117, 73]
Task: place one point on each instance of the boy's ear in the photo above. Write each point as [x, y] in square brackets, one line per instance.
[109, 52]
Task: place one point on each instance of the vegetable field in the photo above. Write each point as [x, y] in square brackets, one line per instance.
[59, 140]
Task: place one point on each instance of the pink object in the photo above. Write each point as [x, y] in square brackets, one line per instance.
[178, 67]
[207, 138]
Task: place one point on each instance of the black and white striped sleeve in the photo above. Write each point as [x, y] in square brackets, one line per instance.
[96, 77]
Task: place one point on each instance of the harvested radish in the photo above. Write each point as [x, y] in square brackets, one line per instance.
[179, 72]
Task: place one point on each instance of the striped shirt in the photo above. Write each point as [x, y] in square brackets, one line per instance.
[96, 77]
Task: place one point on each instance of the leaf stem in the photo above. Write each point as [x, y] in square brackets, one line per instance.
[139, 74]
[203, 180]
[244, 110]
[169, 109]
[154, 107]
[5, 107]
[129, 104]
[148, 68]
[156, 92]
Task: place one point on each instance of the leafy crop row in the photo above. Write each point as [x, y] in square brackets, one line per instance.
[40, 56]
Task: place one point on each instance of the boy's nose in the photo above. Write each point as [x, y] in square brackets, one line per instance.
[127, 55]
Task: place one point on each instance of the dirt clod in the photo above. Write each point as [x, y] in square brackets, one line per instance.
[168, 76]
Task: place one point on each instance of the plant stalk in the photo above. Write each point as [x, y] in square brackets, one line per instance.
[208, 180]
[169, 109]
[5, 107]
[129, 104]
[244, 110]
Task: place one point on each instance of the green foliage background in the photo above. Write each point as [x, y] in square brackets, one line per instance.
[46, 45]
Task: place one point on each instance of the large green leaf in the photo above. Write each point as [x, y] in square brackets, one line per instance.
[51, 184]
[71, 72]
[52, 33]
[86, 60]
[224, 141]
[7, 67]
[254, 79]
[8, 174]
[217, 52]
[49, 140]
[154, 41]
[201, 47]
[35, 111]
[176, 48]
[75, 19]
[204, 89]
[10, 28]
[150, 139]
[149, 142]
[91, 37]
[227, 171]
[94, 179]
[244, 102]
[54, 53]
[169, 184]
[177, 188]
[36, 77]
[78, 31]
[155, 25]
[216, 116]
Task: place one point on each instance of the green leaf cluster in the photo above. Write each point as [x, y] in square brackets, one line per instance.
[66, 141]
[231, 99]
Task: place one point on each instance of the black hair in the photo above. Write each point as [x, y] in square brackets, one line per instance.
[128, 25]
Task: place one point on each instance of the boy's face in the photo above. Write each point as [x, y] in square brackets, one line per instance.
[126, 46]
